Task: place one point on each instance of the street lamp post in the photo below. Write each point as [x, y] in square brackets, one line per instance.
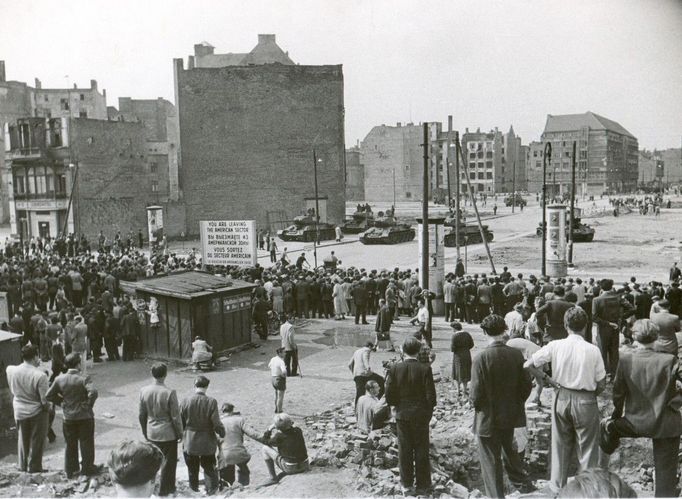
[547, 154]
[317, 209]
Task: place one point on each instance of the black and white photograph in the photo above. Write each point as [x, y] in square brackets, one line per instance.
[341, 248]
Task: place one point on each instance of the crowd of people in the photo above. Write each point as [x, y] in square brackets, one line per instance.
[68, 307]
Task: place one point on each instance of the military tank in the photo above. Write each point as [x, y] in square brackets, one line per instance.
[387, 230]
[468, 233]
[582, 233]
[359, 221]
[304, 230]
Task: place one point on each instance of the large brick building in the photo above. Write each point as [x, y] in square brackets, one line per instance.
[248, 128]
[607, 156]
[77, 175]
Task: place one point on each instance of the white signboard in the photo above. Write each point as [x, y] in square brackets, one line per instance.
[229, 242]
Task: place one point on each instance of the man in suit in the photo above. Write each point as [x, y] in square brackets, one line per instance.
[383, 325]
[648, 409]
[201, 423]
[499, 388]
[359, 294]
[159, 416]
[607, 311]
[449, 291]
[578, 370]
[410, 390]
[643, 304]
[75, 393]
[674, 296]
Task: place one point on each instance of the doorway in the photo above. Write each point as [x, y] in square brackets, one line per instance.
[44, 229]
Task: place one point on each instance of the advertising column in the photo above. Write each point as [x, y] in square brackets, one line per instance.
[436, 268]
[155, 225]
[556, 240]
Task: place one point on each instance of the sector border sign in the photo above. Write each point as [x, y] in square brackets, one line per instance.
[228, 242]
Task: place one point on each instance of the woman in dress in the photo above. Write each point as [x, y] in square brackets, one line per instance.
[461, 346]
[340, 306]
[277, 297]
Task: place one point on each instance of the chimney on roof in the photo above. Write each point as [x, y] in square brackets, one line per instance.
[478, 130]
[449, 122]
[38, 83]
[399, 124]
[201, 49]
[266, 39]
[2, 71]
[93, 84]
[190, 62]
[75, 86]
[466, 130]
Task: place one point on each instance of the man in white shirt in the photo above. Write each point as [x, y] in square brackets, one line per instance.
[514, 322]
[361, 369]
[371, 411]
[278, 371]
[286, 332]
[28, 385]
[578, 369]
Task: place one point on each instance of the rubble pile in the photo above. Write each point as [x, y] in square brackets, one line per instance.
[539, 424]
[334, 440]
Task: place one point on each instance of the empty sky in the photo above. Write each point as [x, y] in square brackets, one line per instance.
[488, 63]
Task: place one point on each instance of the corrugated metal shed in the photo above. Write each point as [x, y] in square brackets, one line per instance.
[188, 285]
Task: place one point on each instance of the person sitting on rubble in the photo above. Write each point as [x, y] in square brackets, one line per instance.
[371, 411]
[284, 446]
[133, 467]
[202, 353]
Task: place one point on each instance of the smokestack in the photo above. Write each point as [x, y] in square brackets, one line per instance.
[2, 71]
[93, 84]
[38, 83]
[449, 123]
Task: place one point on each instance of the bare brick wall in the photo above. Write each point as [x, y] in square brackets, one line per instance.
[247, 135]
[113, 188]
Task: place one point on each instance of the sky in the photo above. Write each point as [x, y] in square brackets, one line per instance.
[488, 63]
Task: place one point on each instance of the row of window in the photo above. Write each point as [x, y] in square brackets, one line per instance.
[488, 164]
[39, 180]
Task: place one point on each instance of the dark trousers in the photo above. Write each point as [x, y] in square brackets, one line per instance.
[291, 361]
[79, 433]
[609, 341]
[129, 347]
[490, 451]
[170, 461]
[665, 458]
[111, 347]
[77, 297]
[360, 311]
[273, 256]
[210, 473]
[96, 346]
[303, 309]
[328, 308]
[449, 312]
[243, 473]
[413, 454]
[470, 312]
[31, 442]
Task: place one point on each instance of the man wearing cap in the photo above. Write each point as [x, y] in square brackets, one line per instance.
[646, 409]
[607, 311]
[552, 314]
[668, 324]
[201, 423]
[578, 370]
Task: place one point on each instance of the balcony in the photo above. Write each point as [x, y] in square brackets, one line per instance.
[26, 153]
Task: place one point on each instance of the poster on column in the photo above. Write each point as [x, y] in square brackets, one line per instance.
[436, 268]
[229, 242]
[155, 224]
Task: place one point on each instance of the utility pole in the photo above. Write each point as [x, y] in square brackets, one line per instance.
[425, 227]
[394, 188]
[447, 161]
[317, 210]
[570, 227]
[478, 217]
[457, 189]
[513, 186]
[547, 153]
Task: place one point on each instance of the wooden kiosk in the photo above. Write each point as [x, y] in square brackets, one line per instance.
[193, 304]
